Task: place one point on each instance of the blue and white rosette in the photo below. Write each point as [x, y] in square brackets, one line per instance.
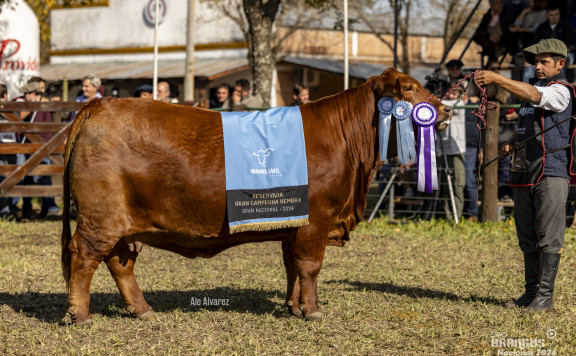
[386, 108]
[425, 116]
[404, 132]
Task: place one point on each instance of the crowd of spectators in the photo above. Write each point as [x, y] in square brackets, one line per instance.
[509, 26]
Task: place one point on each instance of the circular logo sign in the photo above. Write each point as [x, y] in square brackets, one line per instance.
[150, 11]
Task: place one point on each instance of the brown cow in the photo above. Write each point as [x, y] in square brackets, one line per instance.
[146, 172]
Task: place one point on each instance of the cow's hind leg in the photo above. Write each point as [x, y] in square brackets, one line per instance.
[309, 253]
[86, 253]
[293, 282]
[121, 262]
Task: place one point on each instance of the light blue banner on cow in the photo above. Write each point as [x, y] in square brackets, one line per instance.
[266, 169]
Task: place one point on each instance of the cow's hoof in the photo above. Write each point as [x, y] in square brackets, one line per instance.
[79, 319]
[315, 316]
[149, 315]
[294, 310]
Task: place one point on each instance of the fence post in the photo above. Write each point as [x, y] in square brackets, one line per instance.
[489, 198]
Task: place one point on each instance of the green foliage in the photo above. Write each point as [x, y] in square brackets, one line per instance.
[401, 289]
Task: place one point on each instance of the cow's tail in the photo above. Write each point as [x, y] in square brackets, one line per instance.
[79, 121]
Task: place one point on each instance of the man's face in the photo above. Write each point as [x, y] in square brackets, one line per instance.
[239, 91]
[163, 92]
[454, 71]
[553, 16]
[303, 97]
[88, 89]
[497, 5]
[545, 66]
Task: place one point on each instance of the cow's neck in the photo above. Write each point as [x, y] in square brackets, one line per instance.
[357, 116]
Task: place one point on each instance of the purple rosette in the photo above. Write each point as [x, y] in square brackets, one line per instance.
[425, 116]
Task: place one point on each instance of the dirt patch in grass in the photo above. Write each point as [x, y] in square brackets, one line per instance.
[419, 288]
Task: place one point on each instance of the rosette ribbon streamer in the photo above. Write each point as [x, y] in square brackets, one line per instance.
[425, 116]
[386, 108]
[404, 133]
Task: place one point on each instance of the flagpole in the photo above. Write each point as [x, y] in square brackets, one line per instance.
[155, 75]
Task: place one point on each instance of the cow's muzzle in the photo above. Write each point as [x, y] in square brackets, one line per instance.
[444, 117]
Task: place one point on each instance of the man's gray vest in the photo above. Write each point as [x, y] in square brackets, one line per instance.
[548, 154]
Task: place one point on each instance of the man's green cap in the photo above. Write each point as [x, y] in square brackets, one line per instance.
[549, 45]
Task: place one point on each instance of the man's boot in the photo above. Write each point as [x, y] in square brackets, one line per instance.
[544, 301]
[531, 273]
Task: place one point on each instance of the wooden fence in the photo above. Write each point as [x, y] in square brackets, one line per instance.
[35, 147]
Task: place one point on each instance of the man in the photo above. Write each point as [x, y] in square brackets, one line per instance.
[540, 168]
[493, 33]
[301, 95]
[555, 27]
[33, 93]
[222, 100]
[144, 91]
[90, 86]
[7, 209]
[452, 143]
[454, 68]
[163, 92]
[241, 98]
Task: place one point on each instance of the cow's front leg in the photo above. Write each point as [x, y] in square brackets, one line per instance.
[121, 262]
[293, 282]
[85, 257]
[309, 254]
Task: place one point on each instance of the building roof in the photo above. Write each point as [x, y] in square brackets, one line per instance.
[209, 69]
[359, 70]
[203, 68]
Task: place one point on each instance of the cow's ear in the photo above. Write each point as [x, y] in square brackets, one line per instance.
[406, 87]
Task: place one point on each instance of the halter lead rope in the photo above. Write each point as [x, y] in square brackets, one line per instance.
[484, 102]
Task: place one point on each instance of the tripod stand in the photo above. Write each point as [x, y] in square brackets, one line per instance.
[394, 173]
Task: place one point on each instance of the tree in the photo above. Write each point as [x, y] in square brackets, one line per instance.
[448, 16]
[365, 12]
[257, 20]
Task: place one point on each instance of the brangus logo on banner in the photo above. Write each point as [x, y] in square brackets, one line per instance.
[8, 60]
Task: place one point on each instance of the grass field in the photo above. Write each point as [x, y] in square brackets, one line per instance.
[412, 289]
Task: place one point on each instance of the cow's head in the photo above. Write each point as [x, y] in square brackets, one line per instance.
[400, 86]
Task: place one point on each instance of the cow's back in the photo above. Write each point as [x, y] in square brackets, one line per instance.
[145, 166]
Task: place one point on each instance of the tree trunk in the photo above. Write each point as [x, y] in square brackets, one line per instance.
[261, 15]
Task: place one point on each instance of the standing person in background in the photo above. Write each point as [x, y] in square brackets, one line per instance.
[55, 95]
[453, 144]
[540, 168]
[33, 93]
[7, 209]
[301, 95]
[472, 161]
[90, 90]
[241, 98]
[222, 100]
